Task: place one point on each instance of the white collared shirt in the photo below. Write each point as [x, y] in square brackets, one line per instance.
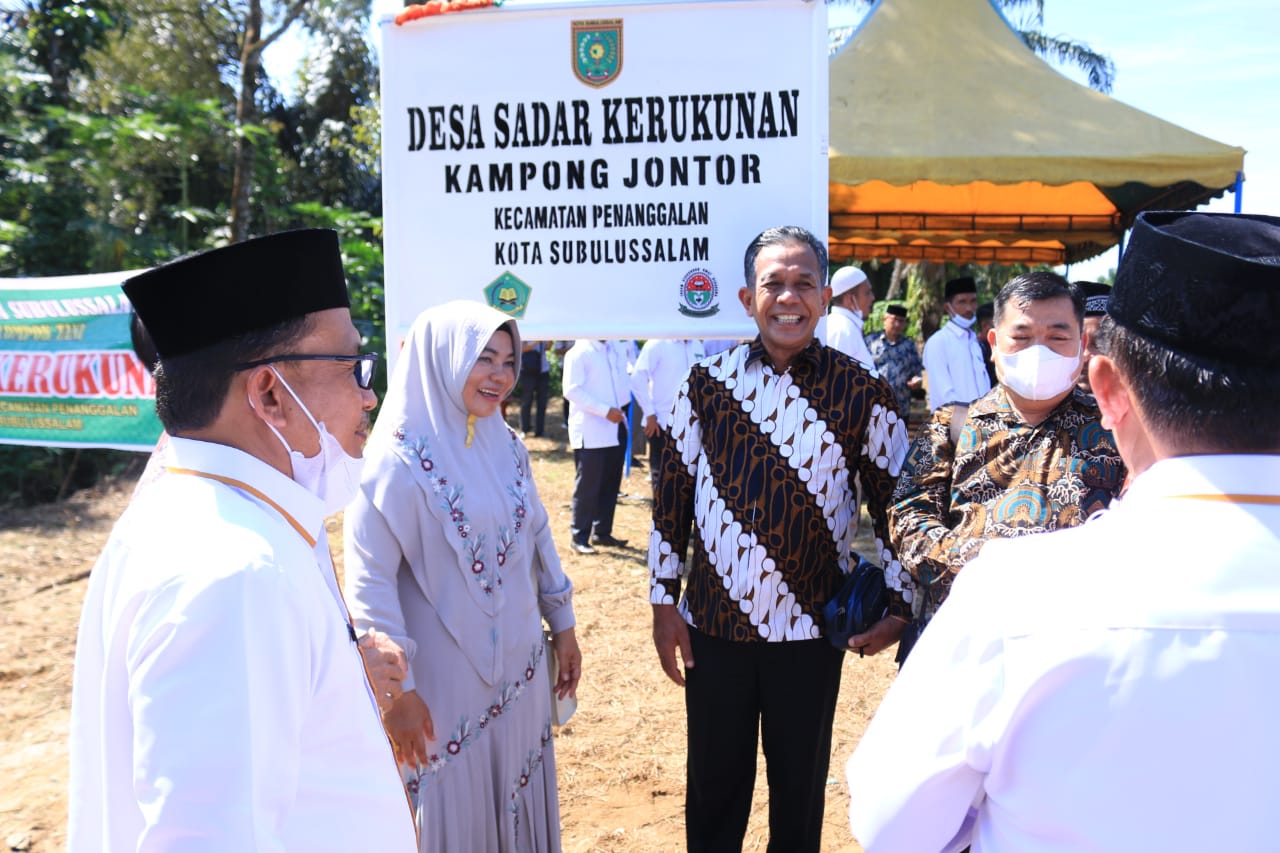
[592, 387]
[843, 331]
[660, 371]
[218, 700]
[953, 366]
[1103, 688]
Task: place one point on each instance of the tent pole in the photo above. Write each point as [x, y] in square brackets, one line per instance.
[1239, 186]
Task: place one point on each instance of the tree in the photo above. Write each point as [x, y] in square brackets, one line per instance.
[252, 43]
[323, 130]
[45, 45]
[1099, 69]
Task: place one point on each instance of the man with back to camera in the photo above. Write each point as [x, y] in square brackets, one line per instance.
[954, 368]
[1107, 687]
[219, 700]
[757, 484]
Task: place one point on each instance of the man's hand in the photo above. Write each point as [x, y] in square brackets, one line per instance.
[568, 663]
[386, 664]
[878, 637]
[614, 416]
[651, 427]
[670, 632]
[409, 726]
[915, 382]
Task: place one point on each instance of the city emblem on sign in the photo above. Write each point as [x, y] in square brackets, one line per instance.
[698, 294]
[597, 51]
[508, 294]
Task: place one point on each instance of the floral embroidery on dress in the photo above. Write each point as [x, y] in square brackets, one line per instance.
[532, 763]
[470, 728]
[486, 574]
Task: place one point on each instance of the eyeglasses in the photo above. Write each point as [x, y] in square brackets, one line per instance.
[365, 364]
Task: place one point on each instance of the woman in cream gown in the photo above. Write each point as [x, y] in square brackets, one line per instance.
[448, 550]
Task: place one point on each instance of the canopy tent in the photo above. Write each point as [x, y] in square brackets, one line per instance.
[951, 141]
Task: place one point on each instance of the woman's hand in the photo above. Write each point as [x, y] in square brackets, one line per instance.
[569, 662]
[409, 726]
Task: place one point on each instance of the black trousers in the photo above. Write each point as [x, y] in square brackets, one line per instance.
[534, 386]
[596, 480]
[785, 691]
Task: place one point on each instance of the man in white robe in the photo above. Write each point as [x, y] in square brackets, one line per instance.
[1108, 687]
[851, 301]
[220, 700]
[954, 368]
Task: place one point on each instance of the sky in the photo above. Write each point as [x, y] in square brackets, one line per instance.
[1210, 67]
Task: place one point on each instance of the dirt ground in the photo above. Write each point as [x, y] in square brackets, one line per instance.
[621, 758]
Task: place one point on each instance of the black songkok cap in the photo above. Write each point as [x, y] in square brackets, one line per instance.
[964, 284]
[1204, 285]
[1096, 295]
[896, 310]
[204, 299]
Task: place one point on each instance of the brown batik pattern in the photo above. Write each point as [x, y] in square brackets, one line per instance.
[762, 467]
[1003, 478]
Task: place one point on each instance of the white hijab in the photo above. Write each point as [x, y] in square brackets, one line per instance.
[476, 495]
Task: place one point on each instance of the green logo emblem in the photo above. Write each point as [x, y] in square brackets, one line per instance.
[597, 51]
[508, 294]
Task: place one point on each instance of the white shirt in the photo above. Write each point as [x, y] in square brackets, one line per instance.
[953, 366]
[660, 370]
[592, 387]
[844, 332]
[1105, 688]
[622, 358]
[218, 700]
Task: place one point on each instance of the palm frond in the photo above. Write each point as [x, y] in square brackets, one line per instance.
[1035, 19]
[1099, 69]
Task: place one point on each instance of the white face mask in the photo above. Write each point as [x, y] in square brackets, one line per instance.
[1038, 373]
[963, 322]
[332, 475]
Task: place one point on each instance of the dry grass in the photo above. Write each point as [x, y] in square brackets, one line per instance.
[621, 759]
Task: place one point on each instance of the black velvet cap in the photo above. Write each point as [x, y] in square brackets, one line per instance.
[964, 284]
[1204, 285]
[203, 299]
[1096, 295]
[896, 310]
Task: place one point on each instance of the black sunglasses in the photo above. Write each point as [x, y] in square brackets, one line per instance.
[365, 364]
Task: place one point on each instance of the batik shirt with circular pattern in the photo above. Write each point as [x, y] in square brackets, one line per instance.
[1002, 478]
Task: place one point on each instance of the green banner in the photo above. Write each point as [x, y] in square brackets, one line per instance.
[68, 375]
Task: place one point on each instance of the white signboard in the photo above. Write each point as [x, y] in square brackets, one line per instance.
[598, 170]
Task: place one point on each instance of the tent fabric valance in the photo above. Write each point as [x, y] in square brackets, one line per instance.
[950, 139]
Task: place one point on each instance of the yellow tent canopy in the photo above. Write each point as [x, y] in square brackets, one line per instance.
[951, 141]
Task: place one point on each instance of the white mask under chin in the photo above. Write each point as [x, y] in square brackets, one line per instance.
[963, 322]
[1038, 373]
[332, 475]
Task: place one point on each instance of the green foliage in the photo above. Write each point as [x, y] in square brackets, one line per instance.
[117, 134]
[360, 235]
[34, 475]
[875, 323]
